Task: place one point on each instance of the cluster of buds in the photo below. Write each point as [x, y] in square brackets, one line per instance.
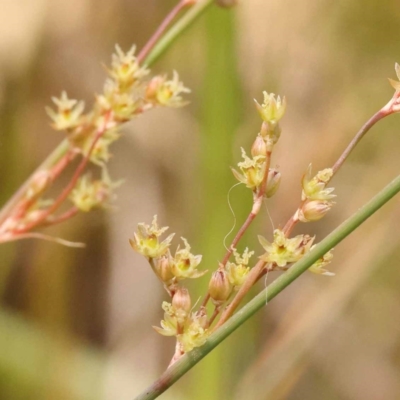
[316, 197]
[170, 269]
[283, 250]
[189, 328]
[229, 278]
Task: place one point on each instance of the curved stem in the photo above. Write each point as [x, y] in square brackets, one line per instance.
[388, 109]
[186, 362]
[360, 134]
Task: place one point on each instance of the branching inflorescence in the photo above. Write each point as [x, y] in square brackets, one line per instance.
[127, 93]
[231, 281]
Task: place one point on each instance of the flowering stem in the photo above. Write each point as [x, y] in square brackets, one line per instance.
[62, 149]
[186, 362]
[161, 29]
[360, 134]
[258, 198]
[251, 279]
[67, 190]
[385, 111]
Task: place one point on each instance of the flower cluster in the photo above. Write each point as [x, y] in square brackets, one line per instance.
[271, 112]
[283, 250]
[190, 329]
[272, 109]
[146, 240]
[126, 94]
[316, 197]
[252, 172]
[89, 194]
[166, 92]
[169, 268]
[229, 278]
[68, 114]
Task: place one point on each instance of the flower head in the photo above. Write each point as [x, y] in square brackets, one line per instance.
[146, 240]
[190, 330]
[166, 92]
[194, 333]
[285, 250]
[315, 188]
[89, 194]
[272, 109]
[184, 263]
[68, 113]
[125, 68]
[252, 171]
[238, 271]
[169, 325]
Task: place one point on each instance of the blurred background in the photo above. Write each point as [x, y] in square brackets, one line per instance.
[77, 324]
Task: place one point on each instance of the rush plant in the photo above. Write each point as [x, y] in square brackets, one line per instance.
[130, 91]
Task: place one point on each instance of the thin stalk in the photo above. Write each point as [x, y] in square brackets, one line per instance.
[67, 190]
[250, 218]
[186, 362]
[177, 29]
[385, 111]
[162, 28]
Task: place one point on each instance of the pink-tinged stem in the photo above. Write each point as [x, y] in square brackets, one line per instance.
[162, 28]
[250, 218]
[67, 190]
[390, 108]
[63, 217]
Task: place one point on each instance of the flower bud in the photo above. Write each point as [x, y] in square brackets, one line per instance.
[313, 210]
[259, 147]
[181, 300]
[219, 287]
[274, 180]
[163, 269]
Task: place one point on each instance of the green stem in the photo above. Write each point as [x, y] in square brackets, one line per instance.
[176, 30]
[184, 364]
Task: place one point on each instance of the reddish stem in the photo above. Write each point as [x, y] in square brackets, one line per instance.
[63, 217]
[250, 218]
[162, 28]
[67, 190]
